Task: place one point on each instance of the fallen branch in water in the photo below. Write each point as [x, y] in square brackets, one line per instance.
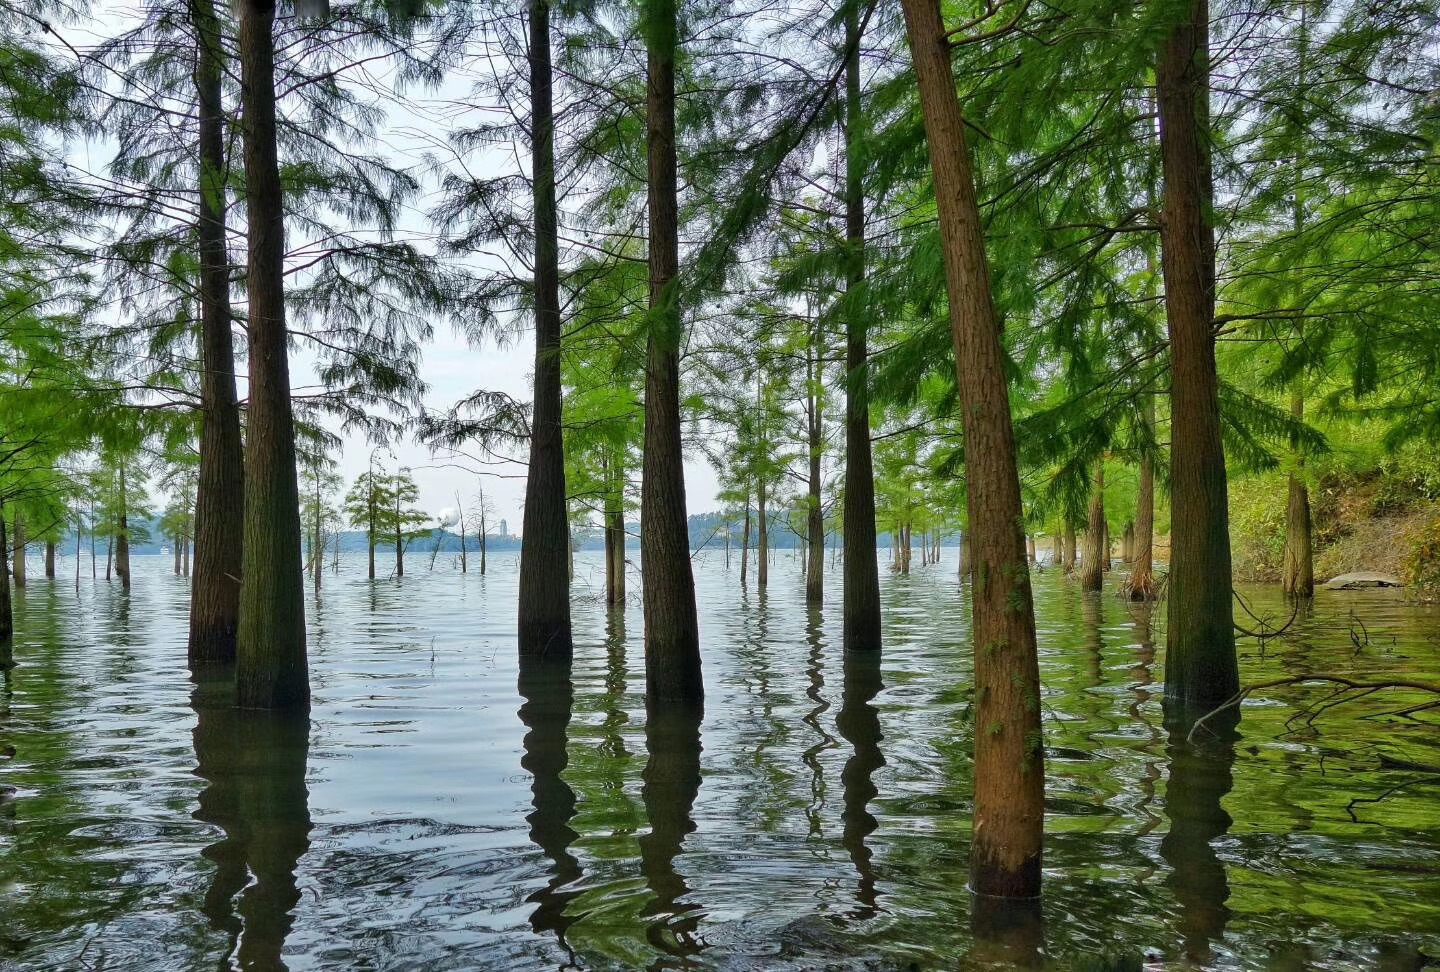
[1347, 684]
[1262, 634]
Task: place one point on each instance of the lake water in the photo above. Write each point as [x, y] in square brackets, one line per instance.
[427, 816]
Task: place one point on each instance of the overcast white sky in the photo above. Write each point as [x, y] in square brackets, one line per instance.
[451, 367]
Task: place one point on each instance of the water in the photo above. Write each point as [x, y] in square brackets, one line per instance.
[429, 816]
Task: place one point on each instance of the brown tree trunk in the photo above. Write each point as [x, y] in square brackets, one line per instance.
[1092, 575]
[1141, 585]
[7, 608]
[966, 566]
[762, 539]
[1030, 549]
[175, 551]
[1127, 542]
[1069, 548]
[745, 544]
[18, 567]
[544, 602]
[399, 540]
[220, 497]
[50, 559]
[185, 562]
[672, 632]
[122, 536]
[1008, 817]
[861, 572]
[1297, 578]
[1201, 669]
[272, 671]
[815, 515]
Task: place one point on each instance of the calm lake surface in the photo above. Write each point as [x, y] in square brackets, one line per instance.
[429, 816]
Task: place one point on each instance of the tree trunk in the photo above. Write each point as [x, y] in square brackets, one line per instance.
[815, 520]
[272, 671]
[122, 536]
[1056, 554]
[399, 540]
[7, 609]
[372, 516]
[185, 562]
[861, 572]
[745, 544]
[762, 539]
[1008, 816]
[1092, 573]
[1127, 542]
[1030, 549]
[464, 557]
[1201, 669]
[220, 496]
[544, 599]
[672, 633]
[1069, 548]
[109, 554]
[175, 551]
[1141, 585]
[966, 566]
[50, 559]
[18, 567]
[1297, 578]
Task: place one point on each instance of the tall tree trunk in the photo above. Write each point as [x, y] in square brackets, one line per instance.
[1141, 585]
[18, 567]
[745, 543]
[175, 552]
[1297, 578]
[317, 538]
[1030, 549]
[272, 671]
[966, 566]
[122, 535]
[7, 609]
[861, 609]
[464, 541]
[1008, 817]
[1056, 553]
[672, 632]
[762, 539]
[1069, 545]
[399, 540]
[544, 603]
[1127, 542]
[372, 526]
[1201, 669]
[1092, 573]
[185, 562]
[50, 559]
[109, 554]
[815, 520]
[220, 497]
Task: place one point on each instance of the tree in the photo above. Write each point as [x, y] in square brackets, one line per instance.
[1201, 669]
[672, 633]
[861, 572]
[272, 670]
[320, 484]
[1008, 816]
[544, 608]
[220, 496]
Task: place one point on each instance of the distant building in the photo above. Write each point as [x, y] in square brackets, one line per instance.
[504, 528]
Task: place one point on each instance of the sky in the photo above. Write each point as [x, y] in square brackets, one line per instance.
[451, 366]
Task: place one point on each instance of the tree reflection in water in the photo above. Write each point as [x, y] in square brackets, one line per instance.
[254, 762]
[549, 694]
[859, 724]
[1198, 781]
[671, 782]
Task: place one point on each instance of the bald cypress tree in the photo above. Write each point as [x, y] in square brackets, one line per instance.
[272, 670]
[672, 633]
[544, 608]
[1008, 818]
